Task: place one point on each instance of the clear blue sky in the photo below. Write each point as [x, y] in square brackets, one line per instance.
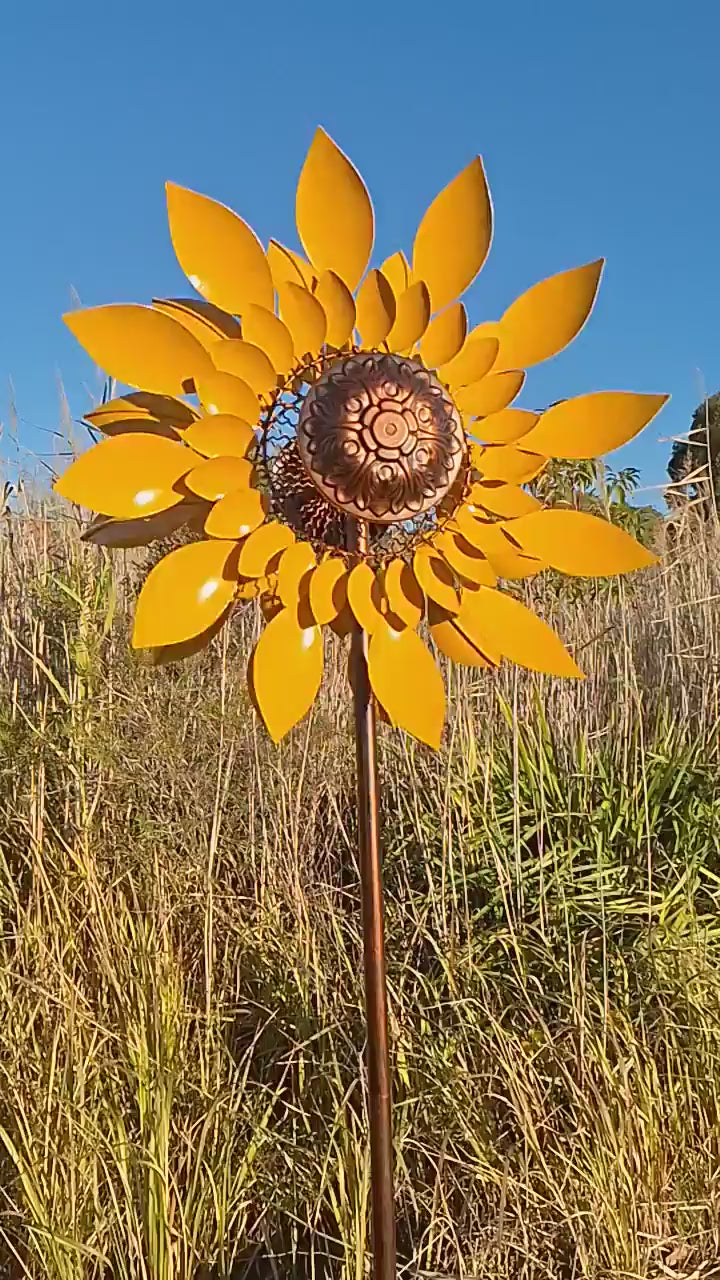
[598, 123]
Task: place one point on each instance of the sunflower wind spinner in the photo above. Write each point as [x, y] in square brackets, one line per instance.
[344, 448]
[338, 445]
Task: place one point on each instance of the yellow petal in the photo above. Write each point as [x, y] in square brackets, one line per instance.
[488, 536]
[261, 551]
[505, 427]
[333, 212]
[167, 653]
[339, 306]
[435, 578]
[287, 667]
[503, 555]
[454, 236]
[445, 336]
[222, 393]
[328, 590]
[465, 560]
[304, 317]
[139, 407]
[237, 514]
[497, 622]
[217, 476]
[406, 681]
[577, 543]
[245, 360]
[511, 566]
[491, 394]
[545, 319]
[139, 533]
[219, 253]
[140, 346]
[294, 568]
[403, 592]
[396, 271]
[286, 265]
[472, 363]
[506, 500]
[365, 596]
[267, 331]
[128, 476]
[375, 309]
[221, 434]
[204, 321]
[451, 641]
[185, 593]
[412, 317]
[507, 462]
[588, 426]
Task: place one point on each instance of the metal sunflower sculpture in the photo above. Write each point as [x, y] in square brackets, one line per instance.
[344, 448]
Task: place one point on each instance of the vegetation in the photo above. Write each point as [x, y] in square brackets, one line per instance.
[180, 1061]
[694, 466]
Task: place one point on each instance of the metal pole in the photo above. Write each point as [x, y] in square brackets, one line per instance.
[378, 1064]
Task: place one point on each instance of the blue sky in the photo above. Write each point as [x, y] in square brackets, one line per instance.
[598, 124]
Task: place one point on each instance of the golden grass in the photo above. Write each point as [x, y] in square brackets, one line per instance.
[181, 1078]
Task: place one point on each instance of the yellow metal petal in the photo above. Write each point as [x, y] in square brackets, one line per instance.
[412, 317]
[328, 590]
[339, 306]
[334, 212]
[219, 253]
[588, 426]
[204, 321]
[488, 536]
[293, 572]
[502, 553]
[507, 462]
[286, 672]
[465, 559]
[491, 394]
[406, 681]
[140, 346]
[168, 653]
[577, 543]
[260, 553]
[104, 532]
[304, 317]
[445, 336]
[365, 596]
[286, 265]
[128, 476]
[245, 360]
[217, 476]
[472, 363]
[396, 271]
[435, 579]
[403, 592]
[498, 623]
[267, 331]
[140, 411]
[506, 500]
[221, 434]
[185, 593]
[237, 514]
[505, 427]
[222, 393]
[545, 319]
[454, 236]
[451, 641]
[375, 309]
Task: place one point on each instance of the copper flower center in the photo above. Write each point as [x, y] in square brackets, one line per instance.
[380, 437]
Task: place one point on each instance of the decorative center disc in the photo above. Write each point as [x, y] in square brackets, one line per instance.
[380, 437]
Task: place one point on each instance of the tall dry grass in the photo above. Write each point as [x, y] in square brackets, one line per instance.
[181, 1073]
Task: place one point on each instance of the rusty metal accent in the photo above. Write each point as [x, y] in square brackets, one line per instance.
[381, 437]
[378, 1061]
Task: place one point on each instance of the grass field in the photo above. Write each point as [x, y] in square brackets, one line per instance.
[181, 1078]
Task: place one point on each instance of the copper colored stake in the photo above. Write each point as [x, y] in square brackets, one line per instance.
[378, 1065]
